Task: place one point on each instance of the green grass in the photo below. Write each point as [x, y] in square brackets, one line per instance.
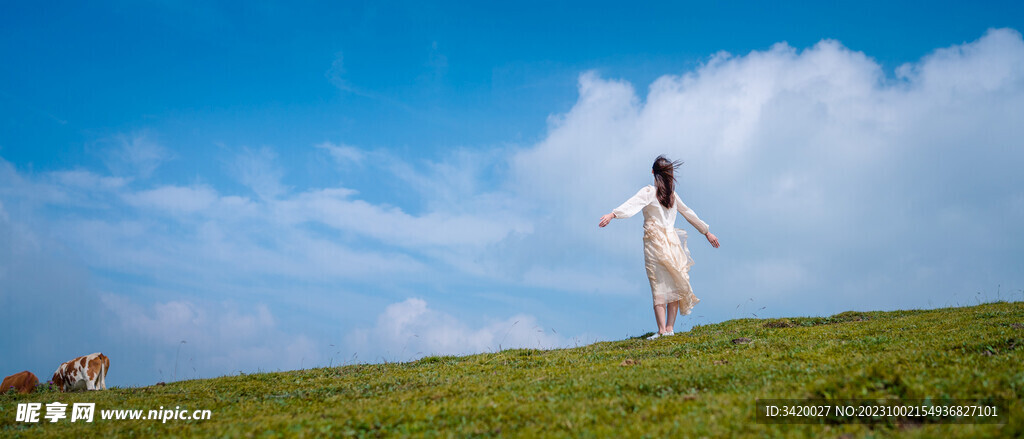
[692, 385]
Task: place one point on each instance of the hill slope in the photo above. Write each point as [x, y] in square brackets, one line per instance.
[698, 383]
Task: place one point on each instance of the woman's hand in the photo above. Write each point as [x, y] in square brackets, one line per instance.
[606, 219]
[712, 239]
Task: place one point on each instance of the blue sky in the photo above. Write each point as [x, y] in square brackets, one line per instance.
[284, 187]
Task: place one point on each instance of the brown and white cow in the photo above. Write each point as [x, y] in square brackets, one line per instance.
[23, 382]
[87, 372]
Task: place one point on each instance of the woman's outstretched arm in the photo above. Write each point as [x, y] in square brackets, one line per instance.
[696, 222]
[633, 205]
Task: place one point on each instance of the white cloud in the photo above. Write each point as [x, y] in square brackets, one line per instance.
[993, 63]
[336, 74]
[136, 154]
[811, 156]
[335, 208]
[343, 154]
[464, 180]
[410, 329]
[88, 180]
[174, 198]
[219, 337]
[55, 190]
[257, 169]
[221, 249]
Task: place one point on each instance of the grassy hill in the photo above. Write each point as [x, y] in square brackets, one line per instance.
[695, 384]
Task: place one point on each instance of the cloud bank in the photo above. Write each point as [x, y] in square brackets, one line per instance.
[410, 329]
[827, 180]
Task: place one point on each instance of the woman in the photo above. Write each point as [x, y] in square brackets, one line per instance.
[665, 254]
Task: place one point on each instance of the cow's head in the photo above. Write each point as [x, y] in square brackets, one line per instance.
[58, 381]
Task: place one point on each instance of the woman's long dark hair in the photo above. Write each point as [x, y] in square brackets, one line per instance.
[664, 180]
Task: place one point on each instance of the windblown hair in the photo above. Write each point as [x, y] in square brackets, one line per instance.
[664, 180]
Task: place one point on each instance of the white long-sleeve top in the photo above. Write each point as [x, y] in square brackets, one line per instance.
[646, 200]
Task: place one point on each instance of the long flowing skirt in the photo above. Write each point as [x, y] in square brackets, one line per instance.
[668, 265]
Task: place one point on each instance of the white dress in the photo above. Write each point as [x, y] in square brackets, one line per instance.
[665, 254]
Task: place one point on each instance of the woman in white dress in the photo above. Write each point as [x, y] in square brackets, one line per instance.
[665, 254]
